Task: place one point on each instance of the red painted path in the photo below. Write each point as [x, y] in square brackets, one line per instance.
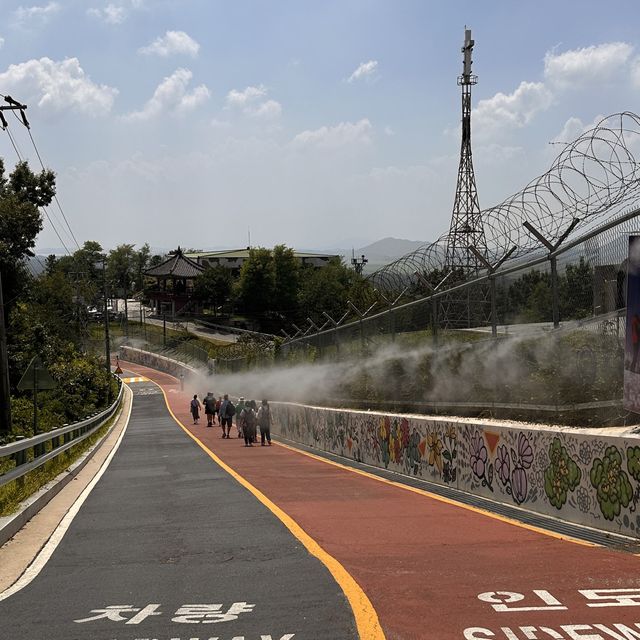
[423, 562]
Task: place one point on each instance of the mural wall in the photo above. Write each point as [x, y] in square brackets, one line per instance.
[580, 478]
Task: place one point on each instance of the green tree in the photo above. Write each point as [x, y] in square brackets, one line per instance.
[256, 285]
[213, 287]
[287, 280]
[576, 291]
[21, 195]
[328, 289]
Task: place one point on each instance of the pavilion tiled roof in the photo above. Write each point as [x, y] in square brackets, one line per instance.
[177, 265]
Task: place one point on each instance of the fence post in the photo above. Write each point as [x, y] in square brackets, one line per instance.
[555, 311]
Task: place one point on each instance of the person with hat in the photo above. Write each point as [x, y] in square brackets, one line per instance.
[239, 408]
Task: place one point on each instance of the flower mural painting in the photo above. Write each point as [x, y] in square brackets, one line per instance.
[613, 489]
[503, 464]
[561, 476]
[479, 461]
[450, 453]
[633, 462]
[511, 468]
[434, 443]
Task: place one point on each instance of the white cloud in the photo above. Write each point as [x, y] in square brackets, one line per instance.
[364, 70]
[268, 110]
[173, 42]
[573, 127]
[22, 15]
[57, 86]
[111, 14]
[252, 102]
[1, 42]
[116, 13]
[344, 133]
[172, 96]
[241, 99]
[512, 110]
[588, 66]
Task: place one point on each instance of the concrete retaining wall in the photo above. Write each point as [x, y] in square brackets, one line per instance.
[156, 361]
[585, 478]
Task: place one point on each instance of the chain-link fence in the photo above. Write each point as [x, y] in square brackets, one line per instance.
[540, 338]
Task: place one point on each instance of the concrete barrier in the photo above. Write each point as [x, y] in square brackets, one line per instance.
[584, 477]
[156, 361]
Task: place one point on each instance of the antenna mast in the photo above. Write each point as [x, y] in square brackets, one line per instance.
[466, 225]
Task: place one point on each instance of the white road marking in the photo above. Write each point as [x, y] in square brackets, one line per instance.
[42, 558]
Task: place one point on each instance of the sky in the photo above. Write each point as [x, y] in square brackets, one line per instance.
[321, 125]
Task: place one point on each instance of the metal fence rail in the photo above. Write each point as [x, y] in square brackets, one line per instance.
[61, 439]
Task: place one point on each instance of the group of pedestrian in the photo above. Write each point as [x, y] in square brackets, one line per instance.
[249, 417]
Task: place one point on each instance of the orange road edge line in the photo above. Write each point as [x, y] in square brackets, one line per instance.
[435, 496]
[364, 613]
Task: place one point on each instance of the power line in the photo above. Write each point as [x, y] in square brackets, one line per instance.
[15, 107]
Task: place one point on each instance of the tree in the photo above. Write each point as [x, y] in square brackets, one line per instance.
[256, 286]
[213, 286]
[20, 222]
[140, 265]
[287, 280]
[328, 289]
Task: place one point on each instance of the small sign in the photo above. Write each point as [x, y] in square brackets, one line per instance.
[36, 377]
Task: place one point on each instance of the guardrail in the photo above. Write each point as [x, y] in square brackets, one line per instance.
[61, 439]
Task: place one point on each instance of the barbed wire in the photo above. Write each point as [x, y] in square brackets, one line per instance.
[596, 175]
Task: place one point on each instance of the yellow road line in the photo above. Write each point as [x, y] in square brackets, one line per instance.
[135, 379]
[435, 496]
[365, 615]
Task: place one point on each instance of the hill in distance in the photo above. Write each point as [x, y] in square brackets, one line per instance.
[386, 250]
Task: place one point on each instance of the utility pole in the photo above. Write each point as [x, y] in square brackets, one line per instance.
[5, 396]
[5, 392]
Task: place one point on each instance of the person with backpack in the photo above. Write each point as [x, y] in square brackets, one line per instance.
[210, 408]
[195, 409]
[248, 419]
[227, 411]
[264, 422]
[239, 408]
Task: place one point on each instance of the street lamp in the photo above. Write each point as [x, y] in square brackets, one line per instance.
[358, 264]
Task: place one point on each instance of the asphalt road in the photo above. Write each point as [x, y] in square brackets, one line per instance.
[168, 546]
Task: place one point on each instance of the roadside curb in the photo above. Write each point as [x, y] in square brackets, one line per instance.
[12, 524]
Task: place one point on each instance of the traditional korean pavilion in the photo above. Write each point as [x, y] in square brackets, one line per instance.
[173, 291]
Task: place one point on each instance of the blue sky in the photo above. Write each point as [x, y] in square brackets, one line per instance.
[315, 124]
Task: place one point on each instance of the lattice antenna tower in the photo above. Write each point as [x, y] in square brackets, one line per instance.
[466, 224]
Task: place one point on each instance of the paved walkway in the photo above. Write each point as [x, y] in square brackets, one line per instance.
[435, 570]
[169, 546]
[185, 529]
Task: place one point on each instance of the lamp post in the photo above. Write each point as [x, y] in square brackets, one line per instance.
[358, 263]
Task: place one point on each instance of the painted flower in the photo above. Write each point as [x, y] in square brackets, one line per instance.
[583, 500]
[584, 453]
[561, 476]
[503, 464]
[525, 451]
[404, 430]
[478, 455]
[519, 485]
[435, 449]
[451, 433]
[614, 490]
[633, 462]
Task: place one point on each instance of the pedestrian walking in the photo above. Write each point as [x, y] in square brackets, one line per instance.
[248, 419]
[195, 409]
[210, 408]
[239, 408]
[218, 403]
[227, 411]
[264, 422]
